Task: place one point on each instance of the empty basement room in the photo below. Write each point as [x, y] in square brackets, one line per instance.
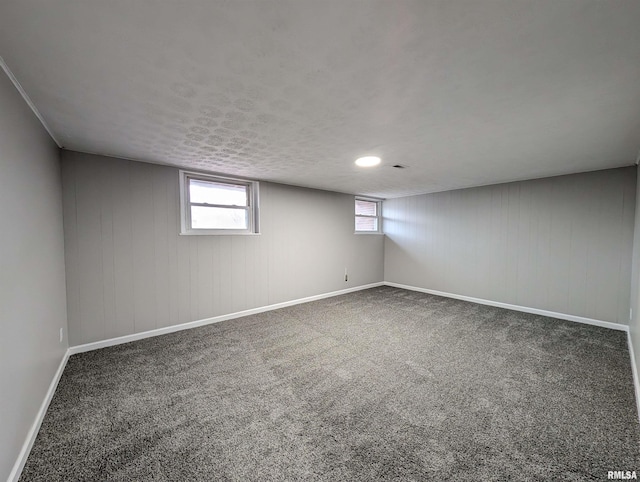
[319, 240]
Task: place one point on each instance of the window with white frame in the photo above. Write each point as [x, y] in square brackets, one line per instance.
[367, 216]
[217, 205]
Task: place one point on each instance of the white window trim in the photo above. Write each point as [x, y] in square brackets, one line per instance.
[378, 216]
[252, 208]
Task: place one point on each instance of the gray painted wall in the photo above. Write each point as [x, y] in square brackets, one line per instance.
[128, 269]
[32, 280]
[561, 244]
[634, 324]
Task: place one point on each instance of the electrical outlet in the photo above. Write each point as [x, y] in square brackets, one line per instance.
[61, 334]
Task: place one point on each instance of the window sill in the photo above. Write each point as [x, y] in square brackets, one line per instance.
[218, 234]
[369, 232]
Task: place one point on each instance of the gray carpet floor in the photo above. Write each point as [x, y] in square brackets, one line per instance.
[381, 384]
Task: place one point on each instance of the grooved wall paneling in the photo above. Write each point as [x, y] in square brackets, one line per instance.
[634, 323]
[561, 244]
[130, 270]
[32, 277]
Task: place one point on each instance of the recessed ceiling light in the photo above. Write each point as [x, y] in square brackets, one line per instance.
[368, 161]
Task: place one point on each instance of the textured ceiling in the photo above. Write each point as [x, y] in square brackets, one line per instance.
[463, 93]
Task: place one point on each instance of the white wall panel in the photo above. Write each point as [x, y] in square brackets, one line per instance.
[133, 272]
[561, 244]
[32, 277]
[123, 322]
[634, 324]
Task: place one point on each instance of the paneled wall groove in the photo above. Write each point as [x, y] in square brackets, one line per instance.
[133, 272]
[561, 244]
[32, 277]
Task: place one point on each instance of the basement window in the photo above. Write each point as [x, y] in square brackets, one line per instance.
[217, 205]
[367, 216]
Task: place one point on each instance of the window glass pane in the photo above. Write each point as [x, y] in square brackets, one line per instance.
[208, 192]
[366, 208]
[366, 224]
[203, 217]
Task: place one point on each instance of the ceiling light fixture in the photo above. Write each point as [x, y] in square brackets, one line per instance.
[368, 161]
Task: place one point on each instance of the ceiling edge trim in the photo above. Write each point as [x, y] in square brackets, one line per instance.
[26, 98]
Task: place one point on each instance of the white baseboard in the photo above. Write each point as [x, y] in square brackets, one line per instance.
[551, 314]
[33, 432]
[525, 309]
[634, 370]
[14, 475]
[207, 321]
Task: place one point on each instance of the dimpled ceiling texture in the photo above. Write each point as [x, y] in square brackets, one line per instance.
[462, 93]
